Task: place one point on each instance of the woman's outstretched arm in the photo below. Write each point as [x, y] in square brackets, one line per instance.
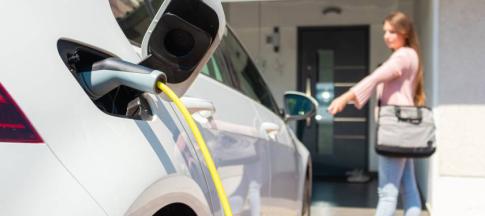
[339, 103]
[362, 91]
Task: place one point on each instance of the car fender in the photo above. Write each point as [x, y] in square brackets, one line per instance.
[171, 189]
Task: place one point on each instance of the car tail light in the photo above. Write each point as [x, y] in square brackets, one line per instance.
[14, 125]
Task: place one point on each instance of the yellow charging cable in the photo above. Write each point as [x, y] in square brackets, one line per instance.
[203, 147]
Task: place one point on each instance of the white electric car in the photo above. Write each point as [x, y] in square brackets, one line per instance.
[68, 148]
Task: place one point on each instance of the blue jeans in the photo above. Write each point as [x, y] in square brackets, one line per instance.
[397, 174]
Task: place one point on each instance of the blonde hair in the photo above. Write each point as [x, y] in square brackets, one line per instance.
[405, 26]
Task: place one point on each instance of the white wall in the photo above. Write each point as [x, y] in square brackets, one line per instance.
[253, 21]
[458, 173]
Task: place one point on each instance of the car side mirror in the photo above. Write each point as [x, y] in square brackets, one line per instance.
[299, 106]
[181, 38]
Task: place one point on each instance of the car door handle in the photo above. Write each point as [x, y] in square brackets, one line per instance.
[203, 107]
[270, 129]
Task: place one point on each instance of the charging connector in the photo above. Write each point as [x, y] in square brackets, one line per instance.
[113, 72]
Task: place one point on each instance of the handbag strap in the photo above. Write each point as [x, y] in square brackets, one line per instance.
[379, 104]
[417, 120]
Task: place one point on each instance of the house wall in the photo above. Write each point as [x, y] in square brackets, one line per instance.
[459, 167]
[254, 21]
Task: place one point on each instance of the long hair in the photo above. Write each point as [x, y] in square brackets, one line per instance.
[405, 26]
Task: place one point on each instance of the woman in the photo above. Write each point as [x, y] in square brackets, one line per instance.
[399, 81]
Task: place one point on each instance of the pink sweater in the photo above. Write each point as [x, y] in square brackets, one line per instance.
[394, 80]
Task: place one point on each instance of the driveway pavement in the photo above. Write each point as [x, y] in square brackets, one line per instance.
[336, 197]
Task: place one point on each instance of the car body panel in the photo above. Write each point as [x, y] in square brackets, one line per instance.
[238, 148]
[36, 182]
[284, 165]
[182, 189]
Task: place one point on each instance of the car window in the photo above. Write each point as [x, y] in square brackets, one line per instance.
[248, 79]
[134, 16]
[217, 70]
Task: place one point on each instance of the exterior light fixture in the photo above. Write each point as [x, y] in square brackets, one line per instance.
[332, 9]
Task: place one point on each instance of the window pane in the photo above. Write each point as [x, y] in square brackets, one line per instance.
[155, 5]
[134, 16]
[211, 69]
[216, 69]
[249, 80]
[205, 70]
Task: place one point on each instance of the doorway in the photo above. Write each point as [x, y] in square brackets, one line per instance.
[330, 61]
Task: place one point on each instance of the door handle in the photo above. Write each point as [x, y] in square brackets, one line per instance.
[195, 105]
[270, 129]
[202, 110]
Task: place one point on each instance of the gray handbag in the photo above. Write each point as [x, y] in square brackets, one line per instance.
[405, 131]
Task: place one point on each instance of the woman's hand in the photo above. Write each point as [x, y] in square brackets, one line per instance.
[338, 104]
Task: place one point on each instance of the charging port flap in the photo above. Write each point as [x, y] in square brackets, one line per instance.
[181, 38]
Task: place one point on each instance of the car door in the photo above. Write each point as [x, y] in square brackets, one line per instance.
[284, 176]
[229, 124]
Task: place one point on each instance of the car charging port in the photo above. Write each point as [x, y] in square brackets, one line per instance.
[122, 100]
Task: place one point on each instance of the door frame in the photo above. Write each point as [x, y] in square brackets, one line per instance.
[300, 82]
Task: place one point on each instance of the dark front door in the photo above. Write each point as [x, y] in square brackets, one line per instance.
[331, 60]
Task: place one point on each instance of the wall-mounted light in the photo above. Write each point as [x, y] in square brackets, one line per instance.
[274, 39]
[332, 9]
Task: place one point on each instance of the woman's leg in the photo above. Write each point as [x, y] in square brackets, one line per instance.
[390, 173]
[410, 193]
